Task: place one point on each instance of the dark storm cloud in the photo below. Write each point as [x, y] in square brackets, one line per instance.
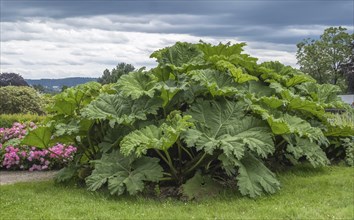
[266, 12]
[269, 12]
[211, 18]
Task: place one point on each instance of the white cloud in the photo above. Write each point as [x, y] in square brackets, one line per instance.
[85, 46]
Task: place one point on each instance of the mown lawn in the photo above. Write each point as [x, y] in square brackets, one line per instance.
[306, 193]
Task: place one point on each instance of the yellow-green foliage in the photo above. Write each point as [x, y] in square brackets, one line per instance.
[20, 99]
[6, 120]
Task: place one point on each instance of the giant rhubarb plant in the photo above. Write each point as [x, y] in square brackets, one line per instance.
[204, 115]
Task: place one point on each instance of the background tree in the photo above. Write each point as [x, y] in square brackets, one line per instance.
[64, 87]
[323, 58]
[12, 79]
[39, 88]
[348, 71]
[116, 73]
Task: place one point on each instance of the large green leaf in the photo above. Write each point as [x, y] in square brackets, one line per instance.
[170, 87]
[119, 110]
[113, 137]
[161, 138]
[287, 124]
[62, 107]
[236, 72]
[296, 102]
[124, 173]
[253, 176]
[222, 125]
[321, 93]
[304, 129]
[274, 71]
[180, 56]
[298, 79]
[217, 83]
[73, 99]
[286, 75]
[272, 102]
[72, 127]
[225, 50]
[278, 67]
[66, 174]
[278, 125]
[200, 186]
[137, 84]
[301, 147]
[39, 137]
[259, 89]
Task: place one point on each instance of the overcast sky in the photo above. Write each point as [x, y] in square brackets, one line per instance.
[57, 39]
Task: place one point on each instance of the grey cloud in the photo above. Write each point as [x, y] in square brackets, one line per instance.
[11, 53]
[32, 63]
[243, 12]
[70, 62]
[271, 46]
[246, 20]
[107, 61]
[16, 31]
[81, 53]
[149, 63]
[49, 63]
[5, 63]
[112, 24]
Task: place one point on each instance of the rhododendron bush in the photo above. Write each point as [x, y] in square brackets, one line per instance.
[15, 156]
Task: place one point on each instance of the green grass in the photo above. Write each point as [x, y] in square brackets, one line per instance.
[306, 193]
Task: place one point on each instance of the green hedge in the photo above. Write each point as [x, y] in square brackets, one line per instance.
[7, 120]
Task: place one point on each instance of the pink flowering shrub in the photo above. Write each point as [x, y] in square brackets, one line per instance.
[17, 130]
[16, 157]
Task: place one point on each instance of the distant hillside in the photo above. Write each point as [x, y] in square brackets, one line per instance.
[56, 84]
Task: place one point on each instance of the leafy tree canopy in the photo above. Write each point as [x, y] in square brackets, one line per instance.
[39, 88]
[12, 79]
[348, 71]
[323, 58]
[115, 74]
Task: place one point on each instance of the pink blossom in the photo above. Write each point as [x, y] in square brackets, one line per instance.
[29, 157]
